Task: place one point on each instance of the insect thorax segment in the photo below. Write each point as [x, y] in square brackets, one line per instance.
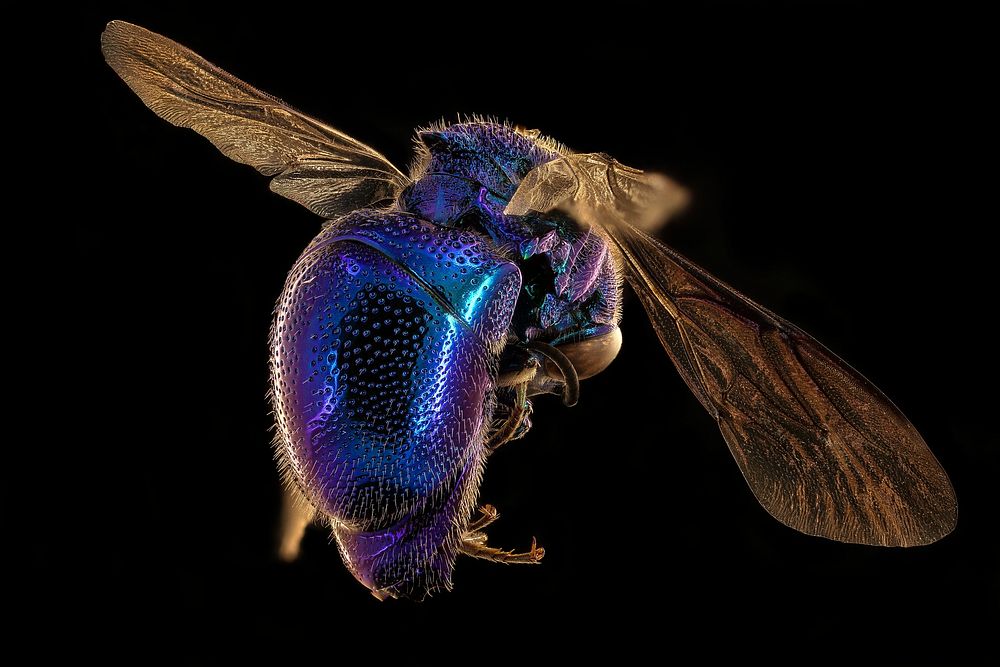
[464, 177]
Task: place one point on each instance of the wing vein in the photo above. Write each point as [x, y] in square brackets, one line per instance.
[252, 127]
[823, 450]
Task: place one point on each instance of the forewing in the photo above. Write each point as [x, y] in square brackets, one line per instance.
[823, 449]
[313, 164]
[593, 181]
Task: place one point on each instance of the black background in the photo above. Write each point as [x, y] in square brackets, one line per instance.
[827, 147]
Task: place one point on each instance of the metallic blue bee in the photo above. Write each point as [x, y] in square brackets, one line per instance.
[416, 326]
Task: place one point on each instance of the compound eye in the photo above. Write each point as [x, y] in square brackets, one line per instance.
[590, 356]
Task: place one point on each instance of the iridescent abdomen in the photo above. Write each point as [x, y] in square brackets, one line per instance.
[384, 360]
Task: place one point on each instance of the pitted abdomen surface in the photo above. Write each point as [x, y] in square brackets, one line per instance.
[384, 355]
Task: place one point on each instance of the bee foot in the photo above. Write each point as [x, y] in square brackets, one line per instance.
[474, 545]
[489, 515]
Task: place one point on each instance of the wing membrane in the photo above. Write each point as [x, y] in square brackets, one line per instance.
[592, 181]
[823, 450]
[313, 164]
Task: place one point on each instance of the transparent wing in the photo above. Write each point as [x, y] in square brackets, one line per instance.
[595, 181]
[312, 163]
[823, 449]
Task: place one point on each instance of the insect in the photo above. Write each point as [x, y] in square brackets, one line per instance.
[415, 328]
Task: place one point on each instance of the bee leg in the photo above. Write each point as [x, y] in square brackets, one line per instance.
[565, 367]
[489, 515]
[296, 514]
[511, 428]
[474, 544]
